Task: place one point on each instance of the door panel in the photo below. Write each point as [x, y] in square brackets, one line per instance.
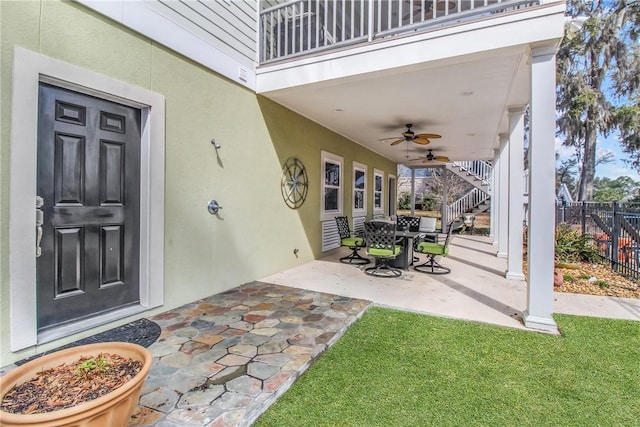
[69, 170]
[89, 178]
[69, 247]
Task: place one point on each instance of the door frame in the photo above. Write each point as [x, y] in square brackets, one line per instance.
[29, 69]
[393, 194]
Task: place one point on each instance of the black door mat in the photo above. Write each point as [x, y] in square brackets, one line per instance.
[143, 332]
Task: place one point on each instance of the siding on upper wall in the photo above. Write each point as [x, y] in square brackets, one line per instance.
[228, 25]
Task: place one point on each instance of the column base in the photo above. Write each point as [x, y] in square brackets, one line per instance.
[502, 255]
[514, 276]
[545, 324]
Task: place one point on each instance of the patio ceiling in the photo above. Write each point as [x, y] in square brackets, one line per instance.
[465, 102]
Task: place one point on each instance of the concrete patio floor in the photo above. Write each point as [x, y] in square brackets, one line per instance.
[475, 290]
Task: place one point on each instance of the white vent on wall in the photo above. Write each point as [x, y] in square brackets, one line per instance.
[358, 226]
[242, 74]
[330, 236]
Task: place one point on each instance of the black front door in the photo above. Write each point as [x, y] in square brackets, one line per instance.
[89, 180]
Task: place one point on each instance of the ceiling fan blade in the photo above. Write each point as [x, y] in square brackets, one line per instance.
[397, 142]
[442, 158]
[421, 141]
[428, 135]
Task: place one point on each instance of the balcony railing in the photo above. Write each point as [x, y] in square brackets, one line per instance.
[309, 26]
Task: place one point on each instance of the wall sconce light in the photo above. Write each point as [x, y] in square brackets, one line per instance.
[215, 144]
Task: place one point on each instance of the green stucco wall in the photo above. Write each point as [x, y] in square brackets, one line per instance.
[255, 233]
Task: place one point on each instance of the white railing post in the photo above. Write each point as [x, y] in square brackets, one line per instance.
[279, 38]
[370, 14]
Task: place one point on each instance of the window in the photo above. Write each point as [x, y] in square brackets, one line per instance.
[359, 189]
[378, 188]
[331, 186]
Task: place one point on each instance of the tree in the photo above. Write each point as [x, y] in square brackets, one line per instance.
[456, 186]
[404, 200]
[620, 189]
[566, 174]
[598, 80]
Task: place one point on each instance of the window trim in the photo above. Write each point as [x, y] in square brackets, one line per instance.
[355, 211]
[378, 209]
[392, 203]
[327, 157]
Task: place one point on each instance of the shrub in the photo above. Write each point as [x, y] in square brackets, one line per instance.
[404, 200]
[572, 246]
[601, 283]
[429, 202]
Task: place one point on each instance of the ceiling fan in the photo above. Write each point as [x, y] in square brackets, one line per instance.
[411, 136]
[431, 157]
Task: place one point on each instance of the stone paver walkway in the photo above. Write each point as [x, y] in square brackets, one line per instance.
[223, 360]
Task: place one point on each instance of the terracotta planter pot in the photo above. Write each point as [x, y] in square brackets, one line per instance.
[111, 410]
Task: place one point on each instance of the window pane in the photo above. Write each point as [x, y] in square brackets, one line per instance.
[330, 199]
[359, 181]
[378, 186]
[359, 200]
[377, 200]
[331, 174]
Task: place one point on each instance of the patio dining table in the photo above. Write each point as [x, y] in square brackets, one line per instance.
[405, 259]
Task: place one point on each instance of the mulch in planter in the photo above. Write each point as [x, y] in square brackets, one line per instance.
[68, 385]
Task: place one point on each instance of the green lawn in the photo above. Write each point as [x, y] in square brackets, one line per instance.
[395, 368]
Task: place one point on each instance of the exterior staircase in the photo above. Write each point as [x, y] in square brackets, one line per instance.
[478, 174]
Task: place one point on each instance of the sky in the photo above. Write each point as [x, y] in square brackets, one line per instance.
[611, 170]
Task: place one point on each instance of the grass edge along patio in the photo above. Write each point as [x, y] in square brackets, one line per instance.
[406, 369]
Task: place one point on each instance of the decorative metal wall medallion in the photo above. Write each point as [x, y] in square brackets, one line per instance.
[294, 183]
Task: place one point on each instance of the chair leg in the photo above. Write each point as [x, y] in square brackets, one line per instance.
[354, 258]
[431, 266]
[383, 269]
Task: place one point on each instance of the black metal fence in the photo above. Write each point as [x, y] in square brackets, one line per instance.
[615, 228]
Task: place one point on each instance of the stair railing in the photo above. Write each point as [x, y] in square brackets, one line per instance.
[466, 203]
[479, 169]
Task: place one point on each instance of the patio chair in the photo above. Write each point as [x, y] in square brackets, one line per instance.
[406, 222]
[380, 237]
[350, 240]
[433, 250]
[414, 223]
[427, 228]
[402, 223]
[427, 224]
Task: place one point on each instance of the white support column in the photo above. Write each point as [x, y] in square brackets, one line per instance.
[503, 200]
[445, 198]
[493, 235]
[516, 192]
[540, 253]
